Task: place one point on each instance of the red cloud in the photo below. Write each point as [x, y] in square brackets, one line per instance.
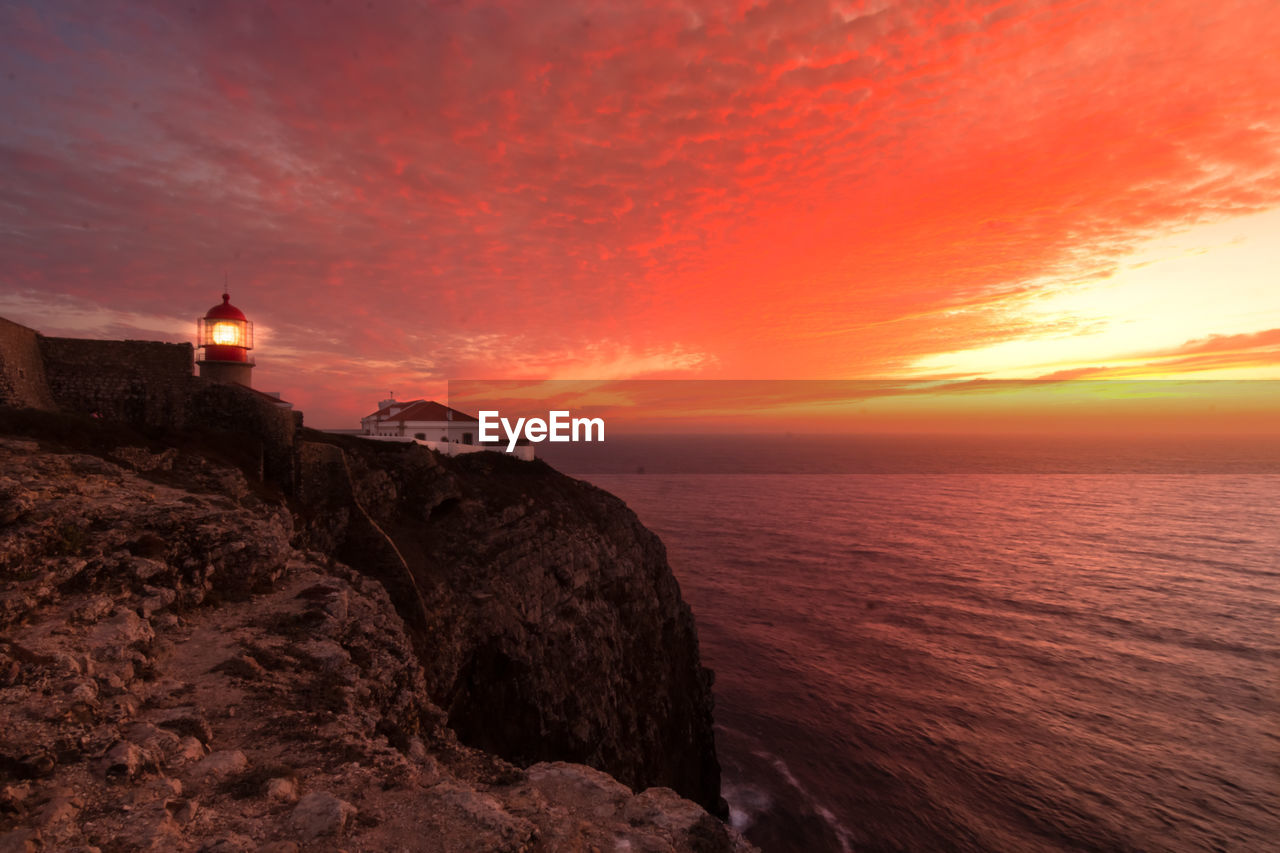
[790, 188]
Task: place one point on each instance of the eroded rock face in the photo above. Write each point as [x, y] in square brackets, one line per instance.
[175, 675]
[547, 618]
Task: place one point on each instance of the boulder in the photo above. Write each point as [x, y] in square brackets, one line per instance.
[320, 814]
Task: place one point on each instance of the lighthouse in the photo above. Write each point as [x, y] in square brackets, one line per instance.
[225, 337]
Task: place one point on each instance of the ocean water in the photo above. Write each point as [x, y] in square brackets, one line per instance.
[986, 661]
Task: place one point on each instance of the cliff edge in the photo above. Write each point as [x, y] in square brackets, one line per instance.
[189, 663]
[549, 624]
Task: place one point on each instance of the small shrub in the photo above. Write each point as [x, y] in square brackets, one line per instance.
[69, 540]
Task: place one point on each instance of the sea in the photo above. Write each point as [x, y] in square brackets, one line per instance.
[979, 644]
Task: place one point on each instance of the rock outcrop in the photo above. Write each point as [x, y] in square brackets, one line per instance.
[182, 669]
[547, 618]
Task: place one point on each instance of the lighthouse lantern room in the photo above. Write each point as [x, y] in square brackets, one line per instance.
[225, 337]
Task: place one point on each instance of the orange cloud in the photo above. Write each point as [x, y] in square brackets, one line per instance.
[405, 193]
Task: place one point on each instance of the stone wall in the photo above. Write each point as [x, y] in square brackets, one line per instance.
[240, 410]
[145, 383]
[22, 379]
[140, 382]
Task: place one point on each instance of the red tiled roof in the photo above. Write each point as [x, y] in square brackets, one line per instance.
[421, 410]
[398, 404]
[383, 413]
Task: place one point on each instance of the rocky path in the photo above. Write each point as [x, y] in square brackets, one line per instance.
[175, 676]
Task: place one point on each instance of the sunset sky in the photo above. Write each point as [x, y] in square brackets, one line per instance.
[404, 193]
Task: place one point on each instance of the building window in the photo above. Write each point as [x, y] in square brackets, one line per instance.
[466, 438]
[421, 436]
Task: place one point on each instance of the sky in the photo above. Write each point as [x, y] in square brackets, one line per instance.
[400, 194]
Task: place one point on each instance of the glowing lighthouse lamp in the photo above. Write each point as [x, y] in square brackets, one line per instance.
[225, 336]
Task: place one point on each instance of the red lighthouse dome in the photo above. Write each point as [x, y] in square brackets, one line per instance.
[225, 337]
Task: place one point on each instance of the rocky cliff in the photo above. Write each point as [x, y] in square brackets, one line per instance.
[187, 663]
[547, 619]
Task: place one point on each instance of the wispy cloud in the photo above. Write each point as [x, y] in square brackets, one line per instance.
[773, 189]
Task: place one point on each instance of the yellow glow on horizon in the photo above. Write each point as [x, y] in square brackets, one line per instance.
[1213, 279]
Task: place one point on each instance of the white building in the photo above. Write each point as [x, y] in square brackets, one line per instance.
[433, 424]
[425, 420]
